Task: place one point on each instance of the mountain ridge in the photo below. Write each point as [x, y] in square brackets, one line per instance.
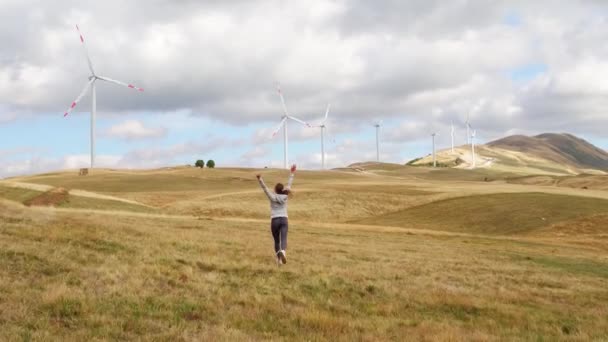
[546, 153]
[562, 148]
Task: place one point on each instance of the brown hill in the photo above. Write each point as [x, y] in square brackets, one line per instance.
[560, 148]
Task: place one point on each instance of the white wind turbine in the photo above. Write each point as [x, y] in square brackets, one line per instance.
[452, 135]
[378, 124]
[91, 85]
[468, 124]
[284, 125]
[323, 127]
[434, 159]
[473, 147]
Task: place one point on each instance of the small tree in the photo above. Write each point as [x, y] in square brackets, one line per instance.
[200, 163]
[210, 164]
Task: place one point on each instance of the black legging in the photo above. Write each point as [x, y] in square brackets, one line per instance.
[278, 227]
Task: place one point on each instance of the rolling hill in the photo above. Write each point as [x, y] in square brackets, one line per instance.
[545, 154]
[560, 148]
[376, 252]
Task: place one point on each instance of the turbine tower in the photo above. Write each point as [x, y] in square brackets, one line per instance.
[378, 125]
[434, 159]
[468, 124]
[452, 135]
[473, 147]
[323, 127]
[91, 85]
[283, 124]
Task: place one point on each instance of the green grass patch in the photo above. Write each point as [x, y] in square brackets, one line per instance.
[126, 182]
[570, 265]
[493, 214]
[78, 202]
[22, 195]
[17, 194]
[66, 311]
[98, 245]
[16, 263]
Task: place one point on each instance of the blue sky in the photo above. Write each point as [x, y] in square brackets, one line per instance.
[53, 136]
[209, 70]
[527, 72]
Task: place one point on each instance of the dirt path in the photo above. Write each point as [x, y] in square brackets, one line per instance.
[73, 192]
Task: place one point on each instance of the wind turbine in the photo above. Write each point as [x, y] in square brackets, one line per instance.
[473, 147]
[91, 85]
[378, 124]
[452, 135]
[284, 125]
[434, 159]
[468, 124]
[323, 127]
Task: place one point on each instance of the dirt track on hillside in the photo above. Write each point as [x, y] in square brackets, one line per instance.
[73, 192]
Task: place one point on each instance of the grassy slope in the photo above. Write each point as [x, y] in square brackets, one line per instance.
[82, 277]
[17, 194]
[493, 214]
[439, 174]
[107, 276]
[504, 161]
[599, 182]
[207, 181]
[23, 195]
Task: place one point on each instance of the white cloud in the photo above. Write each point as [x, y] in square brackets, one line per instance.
[134, 129]
[7, 117]
[37, 164]
[423, 62]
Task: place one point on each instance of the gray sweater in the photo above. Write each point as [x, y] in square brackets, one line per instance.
[278, 203]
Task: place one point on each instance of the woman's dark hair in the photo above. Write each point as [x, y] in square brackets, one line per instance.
[280, 189]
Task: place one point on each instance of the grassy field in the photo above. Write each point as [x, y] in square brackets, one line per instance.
[503, 214]
[379, 253]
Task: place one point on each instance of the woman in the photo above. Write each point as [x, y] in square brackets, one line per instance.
[278, 214]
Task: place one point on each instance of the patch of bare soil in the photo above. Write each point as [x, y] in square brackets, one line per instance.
[50, 198]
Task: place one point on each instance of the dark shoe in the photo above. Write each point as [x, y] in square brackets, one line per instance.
[283, 256]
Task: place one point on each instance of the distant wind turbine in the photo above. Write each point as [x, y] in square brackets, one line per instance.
[452, 135]
[473, 147]
[323, 127]
[91, 85]
[434, 159]
[468, 124]
[378, 124]
[283, 124]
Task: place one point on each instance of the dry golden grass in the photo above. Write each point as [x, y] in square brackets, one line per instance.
[200, 266]
[497, 160]
[584, 181]
[500, 214]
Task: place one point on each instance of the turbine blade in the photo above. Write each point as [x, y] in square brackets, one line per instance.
[86, 88]
[326, 113]
[86, 51]
[279, 127]
[282, 99]
[128, 85]
[298, 120]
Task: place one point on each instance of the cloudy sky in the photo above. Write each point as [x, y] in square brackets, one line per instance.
[209, 70]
